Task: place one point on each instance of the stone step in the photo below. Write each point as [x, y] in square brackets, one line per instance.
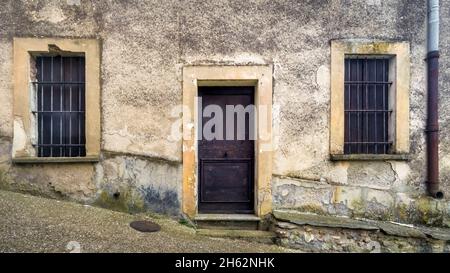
[260, 236]
[228, 221]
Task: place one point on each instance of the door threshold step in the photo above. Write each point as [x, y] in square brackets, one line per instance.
[228, 221]
[267, 237]
[227, 217]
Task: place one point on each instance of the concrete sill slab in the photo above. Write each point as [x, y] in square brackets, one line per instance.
[370, 157]
[300, 218]
[390, 228]
[227, 217]
[35, 160]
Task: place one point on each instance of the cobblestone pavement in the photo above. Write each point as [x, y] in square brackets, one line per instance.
[34, 224]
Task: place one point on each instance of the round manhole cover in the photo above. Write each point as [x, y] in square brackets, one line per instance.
[145, 226]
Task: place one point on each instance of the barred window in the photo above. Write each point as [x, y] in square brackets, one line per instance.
[367, 105]
[60, 106]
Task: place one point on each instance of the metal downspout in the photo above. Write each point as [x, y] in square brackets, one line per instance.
[432, 129]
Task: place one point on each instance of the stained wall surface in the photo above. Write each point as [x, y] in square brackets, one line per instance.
[144, 46]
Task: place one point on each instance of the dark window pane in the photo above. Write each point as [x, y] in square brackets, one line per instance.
[60, 107]
[366, 105]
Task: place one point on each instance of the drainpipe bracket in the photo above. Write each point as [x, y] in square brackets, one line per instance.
[433, 54]
[432, 130]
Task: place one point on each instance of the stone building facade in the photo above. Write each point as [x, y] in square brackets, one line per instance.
[146, 59]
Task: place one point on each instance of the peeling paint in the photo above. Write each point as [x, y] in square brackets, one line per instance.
[51, 14]
[20, 138]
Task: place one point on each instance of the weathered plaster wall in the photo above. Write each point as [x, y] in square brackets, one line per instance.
[387, 190]
[139, 84]
[144, 47]
[133, 183]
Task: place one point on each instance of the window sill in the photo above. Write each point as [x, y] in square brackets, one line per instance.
[32, 160]
[370, 157]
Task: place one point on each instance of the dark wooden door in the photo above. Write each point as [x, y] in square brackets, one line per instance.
[226, 167]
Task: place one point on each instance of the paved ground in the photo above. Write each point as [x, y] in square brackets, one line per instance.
[34, 224]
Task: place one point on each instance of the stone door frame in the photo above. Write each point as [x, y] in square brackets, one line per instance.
[259, 76]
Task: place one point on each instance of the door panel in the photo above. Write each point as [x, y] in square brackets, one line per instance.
[226, 180]
[226, 167]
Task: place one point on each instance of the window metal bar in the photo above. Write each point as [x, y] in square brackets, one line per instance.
[350, 138]
[36, 104]
[58, 111]
[358, 131]
[368, 110]
[367, 82]
[63, 116]
[70, 109]
[58, 145]
[367, 105]
[62, 83]
[79, 109]
[41, 135]
[347, 101]
[376, 124]
[51, 107]
[35, 108]
[384, 106]
[61, 107]
[370, 142]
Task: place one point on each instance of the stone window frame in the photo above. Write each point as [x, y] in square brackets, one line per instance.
[400, 73]
[259, 76]
[23, 133]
